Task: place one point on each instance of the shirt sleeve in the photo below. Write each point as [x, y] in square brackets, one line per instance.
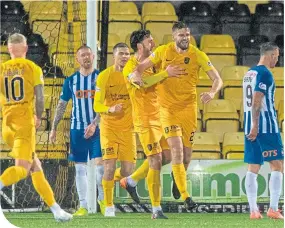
[204, 61]
[128, 69]
[154, 79]
[100, 94]
[262, 82]
[38, 76]
[66, 93]
[156, 56]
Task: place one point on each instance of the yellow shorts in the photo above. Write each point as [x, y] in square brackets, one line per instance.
[181, 123]
[150, 138]
[119, 145]
[22, 140]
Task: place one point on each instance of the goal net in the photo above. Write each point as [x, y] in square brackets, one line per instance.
[55, 30]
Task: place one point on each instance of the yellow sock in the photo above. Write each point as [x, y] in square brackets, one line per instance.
[108, 187]
[43, 188]
[141, 172]
[179, 174]
[118, 175]
[154, 187]
[13, 174]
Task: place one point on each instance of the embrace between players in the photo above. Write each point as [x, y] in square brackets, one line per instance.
[152, 94]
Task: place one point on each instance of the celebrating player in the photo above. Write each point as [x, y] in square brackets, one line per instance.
[21, 81]
[262, 136]
[147, 122]
[112, 101]
[84, 133]
[178, 99]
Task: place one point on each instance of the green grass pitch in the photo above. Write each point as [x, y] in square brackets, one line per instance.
[129, 220]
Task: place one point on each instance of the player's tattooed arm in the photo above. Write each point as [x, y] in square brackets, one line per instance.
[60, 109]
[40, 100]
[256, 107]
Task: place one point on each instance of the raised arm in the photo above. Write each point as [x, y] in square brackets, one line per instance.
[148, 81]
[153, 59]
[147, 63]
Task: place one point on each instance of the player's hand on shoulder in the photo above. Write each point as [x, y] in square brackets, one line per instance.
[52, 136]
[175, 71]
[252, 134]
[206, 97]
[116, 108]
[136, 79]
[90, 130]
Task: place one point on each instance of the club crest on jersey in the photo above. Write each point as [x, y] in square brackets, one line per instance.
[149, 147]
[186, 60]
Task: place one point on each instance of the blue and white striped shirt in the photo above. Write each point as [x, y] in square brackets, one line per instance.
[82, 91]
[259, 78]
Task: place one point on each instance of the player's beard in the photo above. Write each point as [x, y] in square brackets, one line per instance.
[147, 53]
[87, 64]
[183, 45]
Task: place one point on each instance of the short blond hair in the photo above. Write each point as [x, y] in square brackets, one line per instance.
[17, 38]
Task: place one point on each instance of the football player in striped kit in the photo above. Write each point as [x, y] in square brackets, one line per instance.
[262, 135]
[84, 130]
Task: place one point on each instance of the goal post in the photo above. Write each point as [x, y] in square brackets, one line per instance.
[91, 31]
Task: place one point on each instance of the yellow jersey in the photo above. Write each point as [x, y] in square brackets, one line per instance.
[111, 90]
[179, 92]
[18, 78]
[145, 104]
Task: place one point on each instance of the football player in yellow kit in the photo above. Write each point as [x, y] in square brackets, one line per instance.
[21, 82]
[178, 98]
[146, 120]
[112, 101]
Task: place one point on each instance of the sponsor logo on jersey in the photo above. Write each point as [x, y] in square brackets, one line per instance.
[269, 153]
[174, 128]
[84, 94]
[209, 63]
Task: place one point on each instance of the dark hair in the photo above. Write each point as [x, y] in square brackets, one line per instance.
[179, 25]
[120, 45]
[137, 37]
[82, 47]
[268, 46]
